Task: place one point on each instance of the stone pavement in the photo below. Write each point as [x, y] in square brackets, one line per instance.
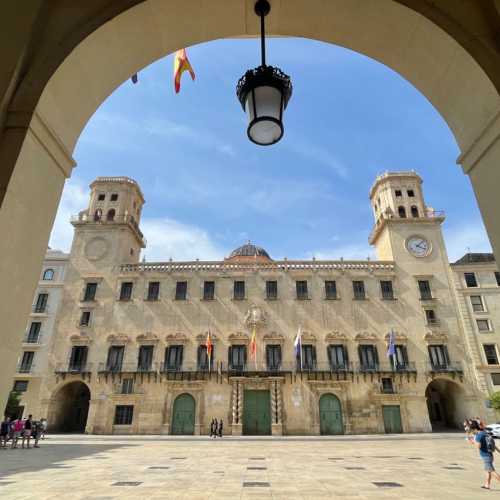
[437, 466]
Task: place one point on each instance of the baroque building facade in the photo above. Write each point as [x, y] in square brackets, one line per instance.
[130, 348]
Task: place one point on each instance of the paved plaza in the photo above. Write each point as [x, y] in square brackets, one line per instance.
[438, 466]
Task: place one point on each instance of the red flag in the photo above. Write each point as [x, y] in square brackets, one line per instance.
[253, 346]
[181, 64]
[208, 345]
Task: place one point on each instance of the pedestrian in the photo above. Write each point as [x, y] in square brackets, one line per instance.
[212, 428]
[17, 428]
[486, 445]
[4, 431]
[221, 427]
[216, 426]
[43, 421]
[28, 427]
[37, 432]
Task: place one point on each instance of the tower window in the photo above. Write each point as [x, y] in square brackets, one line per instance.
[411, 193]
[430, 316]
[387, 290]
[126, 290]
[111, 214]
[330, 290]
[153, 290]
[208, 290]
[470, 280]
[114, 197]
[402, 212]
[271, 290]
[181, 290]
[483, 325]
[85, 318]
[90, 291]
[414, 211]
[490, 351]
[301, 288]
[98, 214]
[398, 193]
[358, 288]
[101, 197]
[477, 303]
[48, 275]
[239, 290]
[425, 290]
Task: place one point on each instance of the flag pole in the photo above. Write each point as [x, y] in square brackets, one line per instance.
[300, 346]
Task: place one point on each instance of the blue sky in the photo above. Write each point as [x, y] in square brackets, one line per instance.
[208, 188]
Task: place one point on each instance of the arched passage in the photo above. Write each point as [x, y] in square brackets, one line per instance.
[183, 415]
[330, 415]
[69, 408]
[446, 404]
[44, 119]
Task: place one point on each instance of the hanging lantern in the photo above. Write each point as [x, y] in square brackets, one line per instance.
[264, 93]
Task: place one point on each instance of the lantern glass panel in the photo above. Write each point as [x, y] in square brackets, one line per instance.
[267, 105]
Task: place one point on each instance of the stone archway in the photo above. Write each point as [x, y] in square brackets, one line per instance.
[446, 404]
[69, 407]
[44, 119]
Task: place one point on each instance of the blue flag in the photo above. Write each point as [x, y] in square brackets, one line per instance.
[391, 348]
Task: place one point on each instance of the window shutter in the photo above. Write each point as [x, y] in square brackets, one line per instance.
[429, 349]
[85, 351]
[446, 356]
[268, 356]
[212, 357]
[229, 356]
[313, 351]
[181, 355]
[329, 351]
[244, 354]
[360, 354]
[346, 355]
[404, 351]
[375, 354]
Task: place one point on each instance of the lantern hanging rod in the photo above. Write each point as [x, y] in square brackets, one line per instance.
[262, 8]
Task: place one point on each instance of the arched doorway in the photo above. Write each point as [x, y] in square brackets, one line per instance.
[446, 404]
[70, 408]
[183, 415]
[330, 415]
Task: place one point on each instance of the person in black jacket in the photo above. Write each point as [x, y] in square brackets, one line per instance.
[221, 427]
[4, 432]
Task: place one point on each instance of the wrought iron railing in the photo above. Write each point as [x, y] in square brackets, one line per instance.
[73, 368]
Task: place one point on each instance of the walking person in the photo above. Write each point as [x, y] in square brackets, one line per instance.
[486, 445]
[216, 426]
[4, 431]
[37, 432]
[212, 428]
[221, 427]
[28, 426]
[43, 421]
[17, 428]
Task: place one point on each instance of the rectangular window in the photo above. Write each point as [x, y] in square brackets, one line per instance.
[153, 290]
[145, 359]
[330, 290]
[337, 356]
[181, 290]
[101, 197]
[497, 277]
[34, 332]
[90, 291]
[483, 325]
[301, 287]
[410, 193]
[78, 358]
[126, 290]
[387, 386]
[387, 291]
[271, 290]
[358, 288]
[425, 290]
[490, 351]
[438, 355]
[399, 360]
[430, 316]
[398, 193]
[115, 358]
[124, 414]
[495, 378]
[26, 362]
[209, 290]
[237, 357]
[239, 290]
[85, 318]
[470, 280]
[368, 357]
[173, 357]
[308, 361]
[128, 386]
[41, 302]
[476, 302]
[203, 358]
[20, 386]
[273, 357]
[114, 197]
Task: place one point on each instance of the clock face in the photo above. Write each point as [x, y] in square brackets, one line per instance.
[418, 246]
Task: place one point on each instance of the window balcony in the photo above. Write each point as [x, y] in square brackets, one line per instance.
[38, 309]
[32, 339]
[26, 368]
[433, 323]
[450, 367]
[73, 368]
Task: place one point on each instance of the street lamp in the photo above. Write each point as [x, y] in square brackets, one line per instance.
[264, 93]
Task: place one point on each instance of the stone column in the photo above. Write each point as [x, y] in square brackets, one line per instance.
[92, 426]
[237, 409]
[276, 408]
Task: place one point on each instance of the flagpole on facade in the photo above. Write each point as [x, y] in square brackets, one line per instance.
[300, 345]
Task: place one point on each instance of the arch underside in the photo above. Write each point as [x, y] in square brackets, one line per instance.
[69, 408]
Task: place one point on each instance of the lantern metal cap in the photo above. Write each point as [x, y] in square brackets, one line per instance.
[264, 76]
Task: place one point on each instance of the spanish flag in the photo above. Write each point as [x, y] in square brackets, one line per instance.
[208, 345]
[253, 347]
[181, 64]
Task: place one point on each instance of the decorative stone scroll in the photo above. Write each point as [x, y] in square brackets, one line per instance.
[202, 338]
[366, 336]
[274, 337]
[239, 338]
[118, 338]
[308, 337]
[335, 337]
[398, 337]
[431, 337]
[176, 338]
[147, 338]
[79, 339]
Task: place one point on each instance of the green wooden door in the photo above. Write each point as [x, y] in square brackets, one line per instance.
[183, 415]
[392, 419]
[257, 413]
[330, 415]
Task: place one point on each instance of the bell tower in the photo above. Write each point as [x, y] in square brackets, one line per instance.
[107, 232]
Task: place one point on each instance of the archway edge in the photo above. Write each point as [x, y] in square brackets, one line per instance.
[385, 30]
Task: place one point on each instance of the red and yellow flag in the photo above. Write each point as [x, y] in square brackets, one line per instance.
[208, 345]
[253, 346]
[181, 64]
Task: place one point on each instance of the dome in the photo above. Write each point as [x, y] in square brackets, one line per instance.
[249, 251]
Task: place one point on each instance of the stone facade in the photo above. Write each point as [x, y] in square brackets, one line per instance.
[130, 352]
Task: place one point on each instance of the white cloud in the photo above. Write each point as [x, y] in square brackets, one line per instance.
[75, 198]
[469, 237]
[170, 238]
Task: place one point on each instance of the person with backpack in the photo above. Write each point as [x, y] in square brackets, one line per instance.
[486, 446]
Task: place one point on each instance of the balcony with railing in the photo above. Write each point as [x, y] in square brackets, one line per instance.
[32, 338]
[26, 368]
[83, 369]
[451, 367]
[40, 309]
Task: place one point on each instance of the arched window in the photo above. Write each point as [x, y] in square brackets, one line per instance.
[402, 212]
[98, 214]
[414, 211]
[111, 214]
[48, 275]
